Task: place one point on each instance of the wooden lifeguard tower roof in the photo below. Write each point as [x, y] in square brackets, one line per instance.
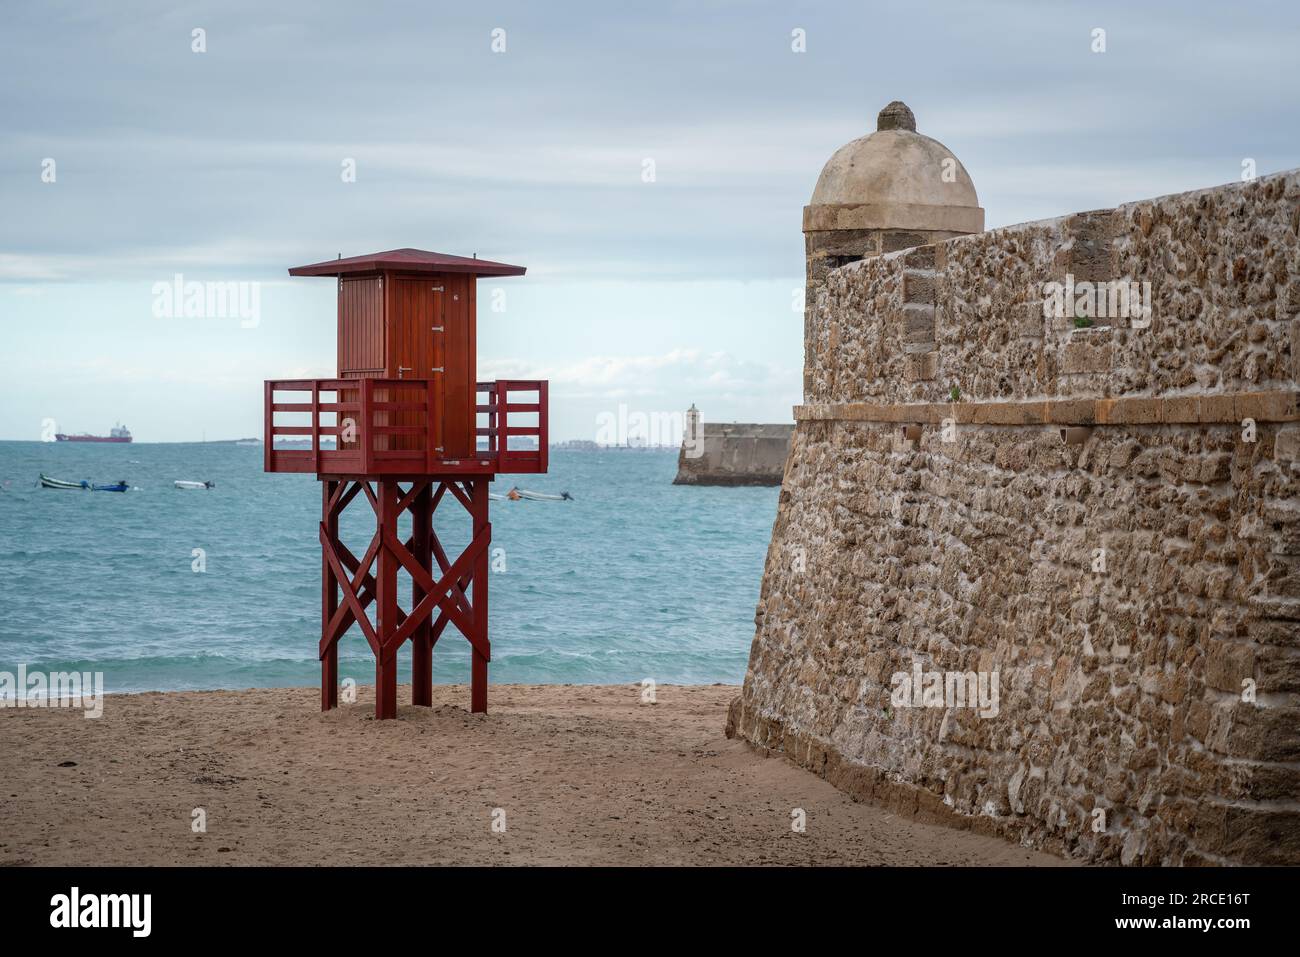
[408, 261]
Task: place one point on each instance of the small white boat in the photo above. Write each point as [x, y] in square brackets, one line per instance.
[47, 482]
[517, 493]
[179, 483]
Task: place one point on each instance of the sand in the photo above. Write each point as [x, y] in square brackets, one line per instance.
[578, 774]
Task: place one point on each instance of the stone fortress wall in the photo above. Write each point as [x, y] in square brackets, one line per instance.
[1099, 517]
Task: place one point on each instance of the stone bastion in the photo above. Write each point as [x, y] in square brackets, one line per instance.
[1083, 505]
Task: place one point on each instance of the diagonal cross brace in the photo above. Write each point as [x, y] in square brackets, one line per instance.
[440, 594]
[343, 617]
[440, 556]
[348, 586]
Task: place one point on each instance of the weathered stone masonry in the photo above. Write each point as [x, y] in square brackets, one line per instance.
[972, 548]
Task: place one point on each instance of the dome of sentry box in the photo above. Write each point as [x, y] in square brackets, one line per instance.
[894, 178]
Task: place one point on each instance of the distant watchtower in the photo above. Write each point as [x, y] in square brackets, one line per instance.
[889, 190]
[411, 425]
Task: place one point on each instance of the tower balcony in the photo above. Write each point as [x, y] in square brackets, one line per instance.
[400, 428]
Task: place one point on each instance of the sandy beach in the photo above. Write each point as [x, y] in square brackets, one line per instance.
[578, 774]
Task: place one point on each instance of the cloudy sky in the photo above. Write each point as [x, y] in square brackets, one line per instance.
[226, 166]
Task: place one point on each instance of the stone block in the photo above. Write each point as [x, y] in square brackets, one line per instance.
[1286, 444]
[1266, 406]
[1217, 408]
[1081, 356]
[894, 240]
[1072, 411]
[1276, 672]
[1181, 409]
[1091, 252]
[1261, 835]
[921, 366]
[1135, 412]
[1032, 323]
[734, 711]
[1264, 734]
[1227, 664]
[922, 257]
[918, 286]
[918, 317]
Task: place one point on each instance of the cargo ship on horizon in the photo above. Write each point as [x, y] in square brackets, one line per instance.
[119, 433]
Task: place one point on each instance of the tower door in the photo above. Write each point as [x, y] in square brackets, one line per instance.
[418, 347]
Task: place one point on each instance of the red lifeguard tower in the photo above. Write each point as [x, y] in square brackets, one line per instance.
[413, 429]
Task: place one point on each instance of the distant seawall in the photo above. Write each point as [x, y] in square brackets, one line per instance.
[735, 454]
[1097, 519]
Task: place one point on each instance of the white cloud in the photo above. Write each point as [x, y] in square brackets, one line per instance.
[708, 375]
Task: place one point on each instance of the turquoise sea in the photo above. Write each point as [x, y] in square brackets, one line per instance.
[636, 578]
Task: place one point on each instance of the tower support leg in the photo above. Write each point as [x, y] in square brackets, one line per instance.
[444, 592]
[422, 637]
[386, 657]
[329, 659]
[479, 668]
[386, 687]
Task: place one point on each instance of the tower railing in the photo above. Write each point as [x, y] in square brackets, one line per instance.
[503, 423]
[391, 426]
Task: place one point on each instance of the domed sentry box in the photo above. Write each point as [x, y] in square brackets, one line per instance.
[406, 427]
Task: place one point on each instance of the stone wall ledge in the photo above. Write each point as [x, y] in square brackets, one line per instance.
[839, 216]
[1225, 408]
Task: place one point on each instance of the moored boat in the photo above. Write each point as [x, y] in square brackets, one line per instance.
[517, 493]
[47, 482]
[182, 483]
